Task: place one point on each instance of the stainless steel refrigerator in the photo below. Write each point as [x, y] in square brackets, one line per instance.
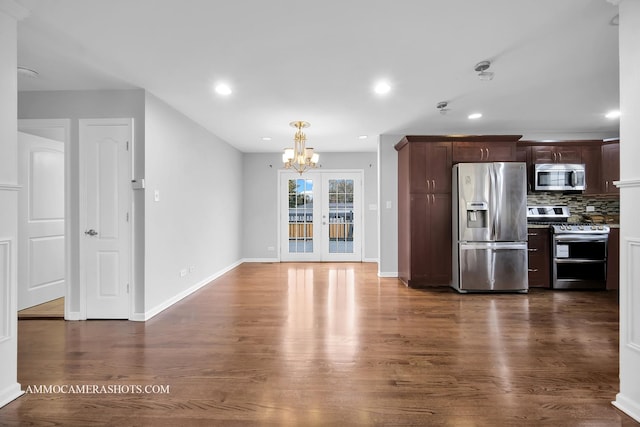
[490, 227]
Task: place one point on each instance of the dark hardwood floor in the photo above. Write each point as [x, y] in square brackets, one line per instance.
[332, 344]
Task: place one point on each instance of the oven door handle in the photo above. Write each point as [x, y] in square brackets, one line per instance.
[578, 238]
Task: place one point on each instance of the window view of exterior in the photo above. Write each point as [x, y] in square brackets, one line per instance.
[300, 216]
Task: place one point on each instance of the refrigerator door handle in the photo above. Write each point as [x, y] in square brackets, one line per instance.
[494, 212]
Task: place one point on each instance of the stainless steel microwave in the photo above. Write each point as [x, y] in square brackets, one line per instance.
[559, 177]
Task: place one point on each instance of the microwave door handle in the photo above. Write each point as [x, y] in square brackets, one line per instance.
[574, 180]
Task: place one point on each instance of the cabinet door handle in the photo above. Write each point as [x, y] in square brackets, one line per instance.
[554, 157]
[560, 155]
[434, 184]
[481, 154]
[532, 234]
[533, 250]
[487, 153]
[533, 270]
[428, 185]
[433, 199]
[606, 185]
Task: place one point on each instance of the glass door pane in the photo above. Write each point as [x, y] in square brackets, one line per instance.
[340, 232]
[341, 216]
[300, 224]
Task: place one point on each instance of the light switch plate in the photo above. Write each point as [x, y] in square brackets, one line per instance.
[156, 195]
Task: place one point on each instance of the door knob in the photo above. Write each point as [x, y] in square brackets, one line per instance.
[91, 232]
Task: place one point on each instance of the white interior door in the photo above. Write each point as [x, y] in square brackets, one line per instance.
[321, 216]
[105, 204]
[41, 261]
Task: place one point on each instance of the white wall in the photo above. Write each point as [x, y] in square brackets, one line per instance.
[388, 190]
[9, 386]
[197, 221]
[260, 208]
[75, 105]
[628, 399]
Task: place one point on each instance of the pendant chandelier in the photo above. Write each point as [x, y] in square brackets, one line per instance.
[300, 158]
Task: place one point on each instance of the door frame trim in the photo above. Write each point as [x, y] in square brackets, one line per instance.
[281, 172]
[82, 202]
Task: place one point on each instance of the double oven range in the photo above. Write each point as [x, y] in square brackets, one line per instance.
[578, 251]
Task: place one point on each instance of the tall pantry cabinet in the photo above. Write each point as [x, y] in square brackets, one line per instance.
[424, 211]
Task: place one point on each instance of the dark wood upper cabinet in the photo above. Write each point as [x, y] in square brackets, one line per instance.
[591, 158]
[486, 148]
[610, 167]
[556, 154]
[430, 167]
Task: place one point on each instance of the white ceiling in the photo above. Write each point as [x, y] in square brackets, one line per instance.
[555, 64]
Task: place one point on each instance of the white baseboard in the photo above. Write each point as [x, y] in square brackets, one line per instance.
[391, 274]
[260, 260]
[370, 260]
[73, 315]
[627, 406]
[138, 317]
[10, 393]
[168, 303]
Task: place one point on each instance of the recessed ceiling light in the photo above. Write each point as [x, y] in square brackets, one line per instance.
[223, 89]
[475, 116]
[613, 114]
[266, 138]
[362, 137]
[382, 88]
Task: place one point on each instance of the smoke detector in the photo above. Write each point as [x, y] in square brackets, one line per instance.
[442, 107]
[481, 68]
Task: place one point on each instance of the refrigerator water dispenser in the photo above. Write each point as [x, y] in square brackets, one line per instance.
[477, 216]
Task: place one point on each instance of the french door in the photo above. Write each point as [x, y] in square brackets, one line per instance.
[321, 216]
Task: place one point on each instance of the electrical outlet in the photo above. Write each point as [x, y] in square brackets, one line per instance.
[156, 195]
[183, 272]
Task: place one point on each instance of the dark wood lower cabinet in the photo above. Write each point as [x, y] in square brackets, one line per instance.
[613, 259]
[430, 245]
[539, 258]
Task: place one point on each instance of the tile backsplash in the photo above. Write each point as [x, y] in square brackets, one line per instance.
[604, 204]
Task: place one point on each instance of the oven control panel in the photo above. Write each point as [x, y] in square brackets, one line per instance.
[580, 228]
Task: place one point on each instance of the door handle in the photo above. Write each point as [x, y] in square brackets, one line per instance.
[91, 232]
[433, 181]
